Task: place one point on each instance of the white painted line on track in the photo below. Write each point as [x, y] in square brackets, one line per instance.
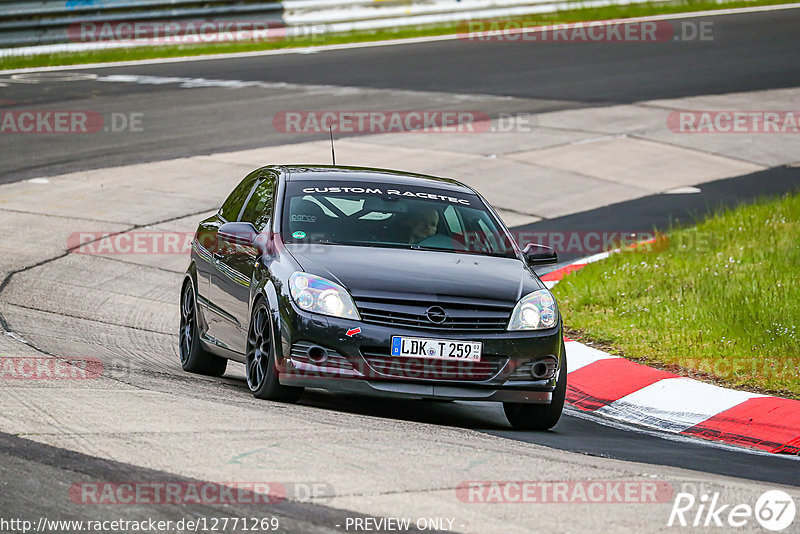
[685, 190]
[393, 42]
[591, 259]
[195, 83]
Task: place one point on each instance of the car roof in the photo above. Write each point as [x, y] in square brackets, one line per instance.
[322, 173]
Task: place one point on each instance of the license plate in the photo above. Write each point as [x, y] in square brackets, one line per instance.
[441, 349]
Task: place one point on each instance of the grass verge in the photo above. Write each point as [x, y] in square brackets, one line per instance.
[720, 302]
[572, 15]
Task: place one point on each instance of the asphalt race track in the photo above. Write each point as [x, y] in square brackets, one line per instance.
[663, 212]
[749, 52]
[149, 421]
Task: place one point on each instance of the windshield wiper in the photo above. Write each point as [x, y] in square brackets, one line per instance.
[409, 246]
[459, 251]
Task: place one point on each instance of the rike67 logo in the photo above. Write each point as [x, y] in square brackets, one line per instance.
[774, 510]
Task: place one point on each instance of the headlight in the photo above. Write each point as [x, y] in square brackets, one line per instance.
[318, 295]
[534, 311]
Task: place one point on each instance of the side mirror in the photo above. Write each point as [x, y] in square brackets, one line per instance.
[536, 254]
[240, 233]
[244, 233]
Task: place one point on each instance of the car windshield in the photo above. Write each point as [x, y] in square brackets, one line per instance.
[391, 215]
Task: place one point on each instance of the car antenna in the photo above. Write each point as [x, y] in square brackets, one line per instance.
[333, 153]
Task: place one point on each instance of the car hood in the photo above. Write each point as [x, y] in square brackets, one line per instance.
[373, 270]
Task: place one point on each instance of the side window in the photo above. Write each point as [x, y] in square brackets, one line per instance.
[492, 235]
[453, 222]
[259, 208]
[233, 204]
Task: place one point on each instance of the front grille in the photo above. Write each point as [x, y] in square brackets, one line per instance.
[412, 314]
[432, 369]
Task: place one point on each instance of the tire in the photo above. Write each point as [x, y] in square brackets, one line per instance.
[540, 416]
[194, 358]
[261, 370]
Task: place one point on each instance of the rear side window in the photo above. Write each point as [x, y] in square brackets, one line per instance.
[259, 208]
[233, 204]
[453, 222]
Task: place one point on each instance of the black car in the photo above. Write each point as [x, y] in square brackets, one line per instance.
[374, 282]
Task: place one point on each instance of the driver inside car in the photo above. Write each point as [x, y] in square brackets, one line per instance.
[421, 223]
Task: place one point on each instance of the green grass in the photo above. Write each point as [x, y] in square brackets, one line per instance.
[573, 15]
[721, 302]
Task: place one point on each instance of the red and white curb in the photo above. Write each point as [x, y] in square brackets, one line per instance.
[622, 390]
[553, 277]
[625, 391]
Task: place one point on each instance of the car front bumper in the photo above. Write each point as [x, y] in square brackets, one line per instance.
[356, 360]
